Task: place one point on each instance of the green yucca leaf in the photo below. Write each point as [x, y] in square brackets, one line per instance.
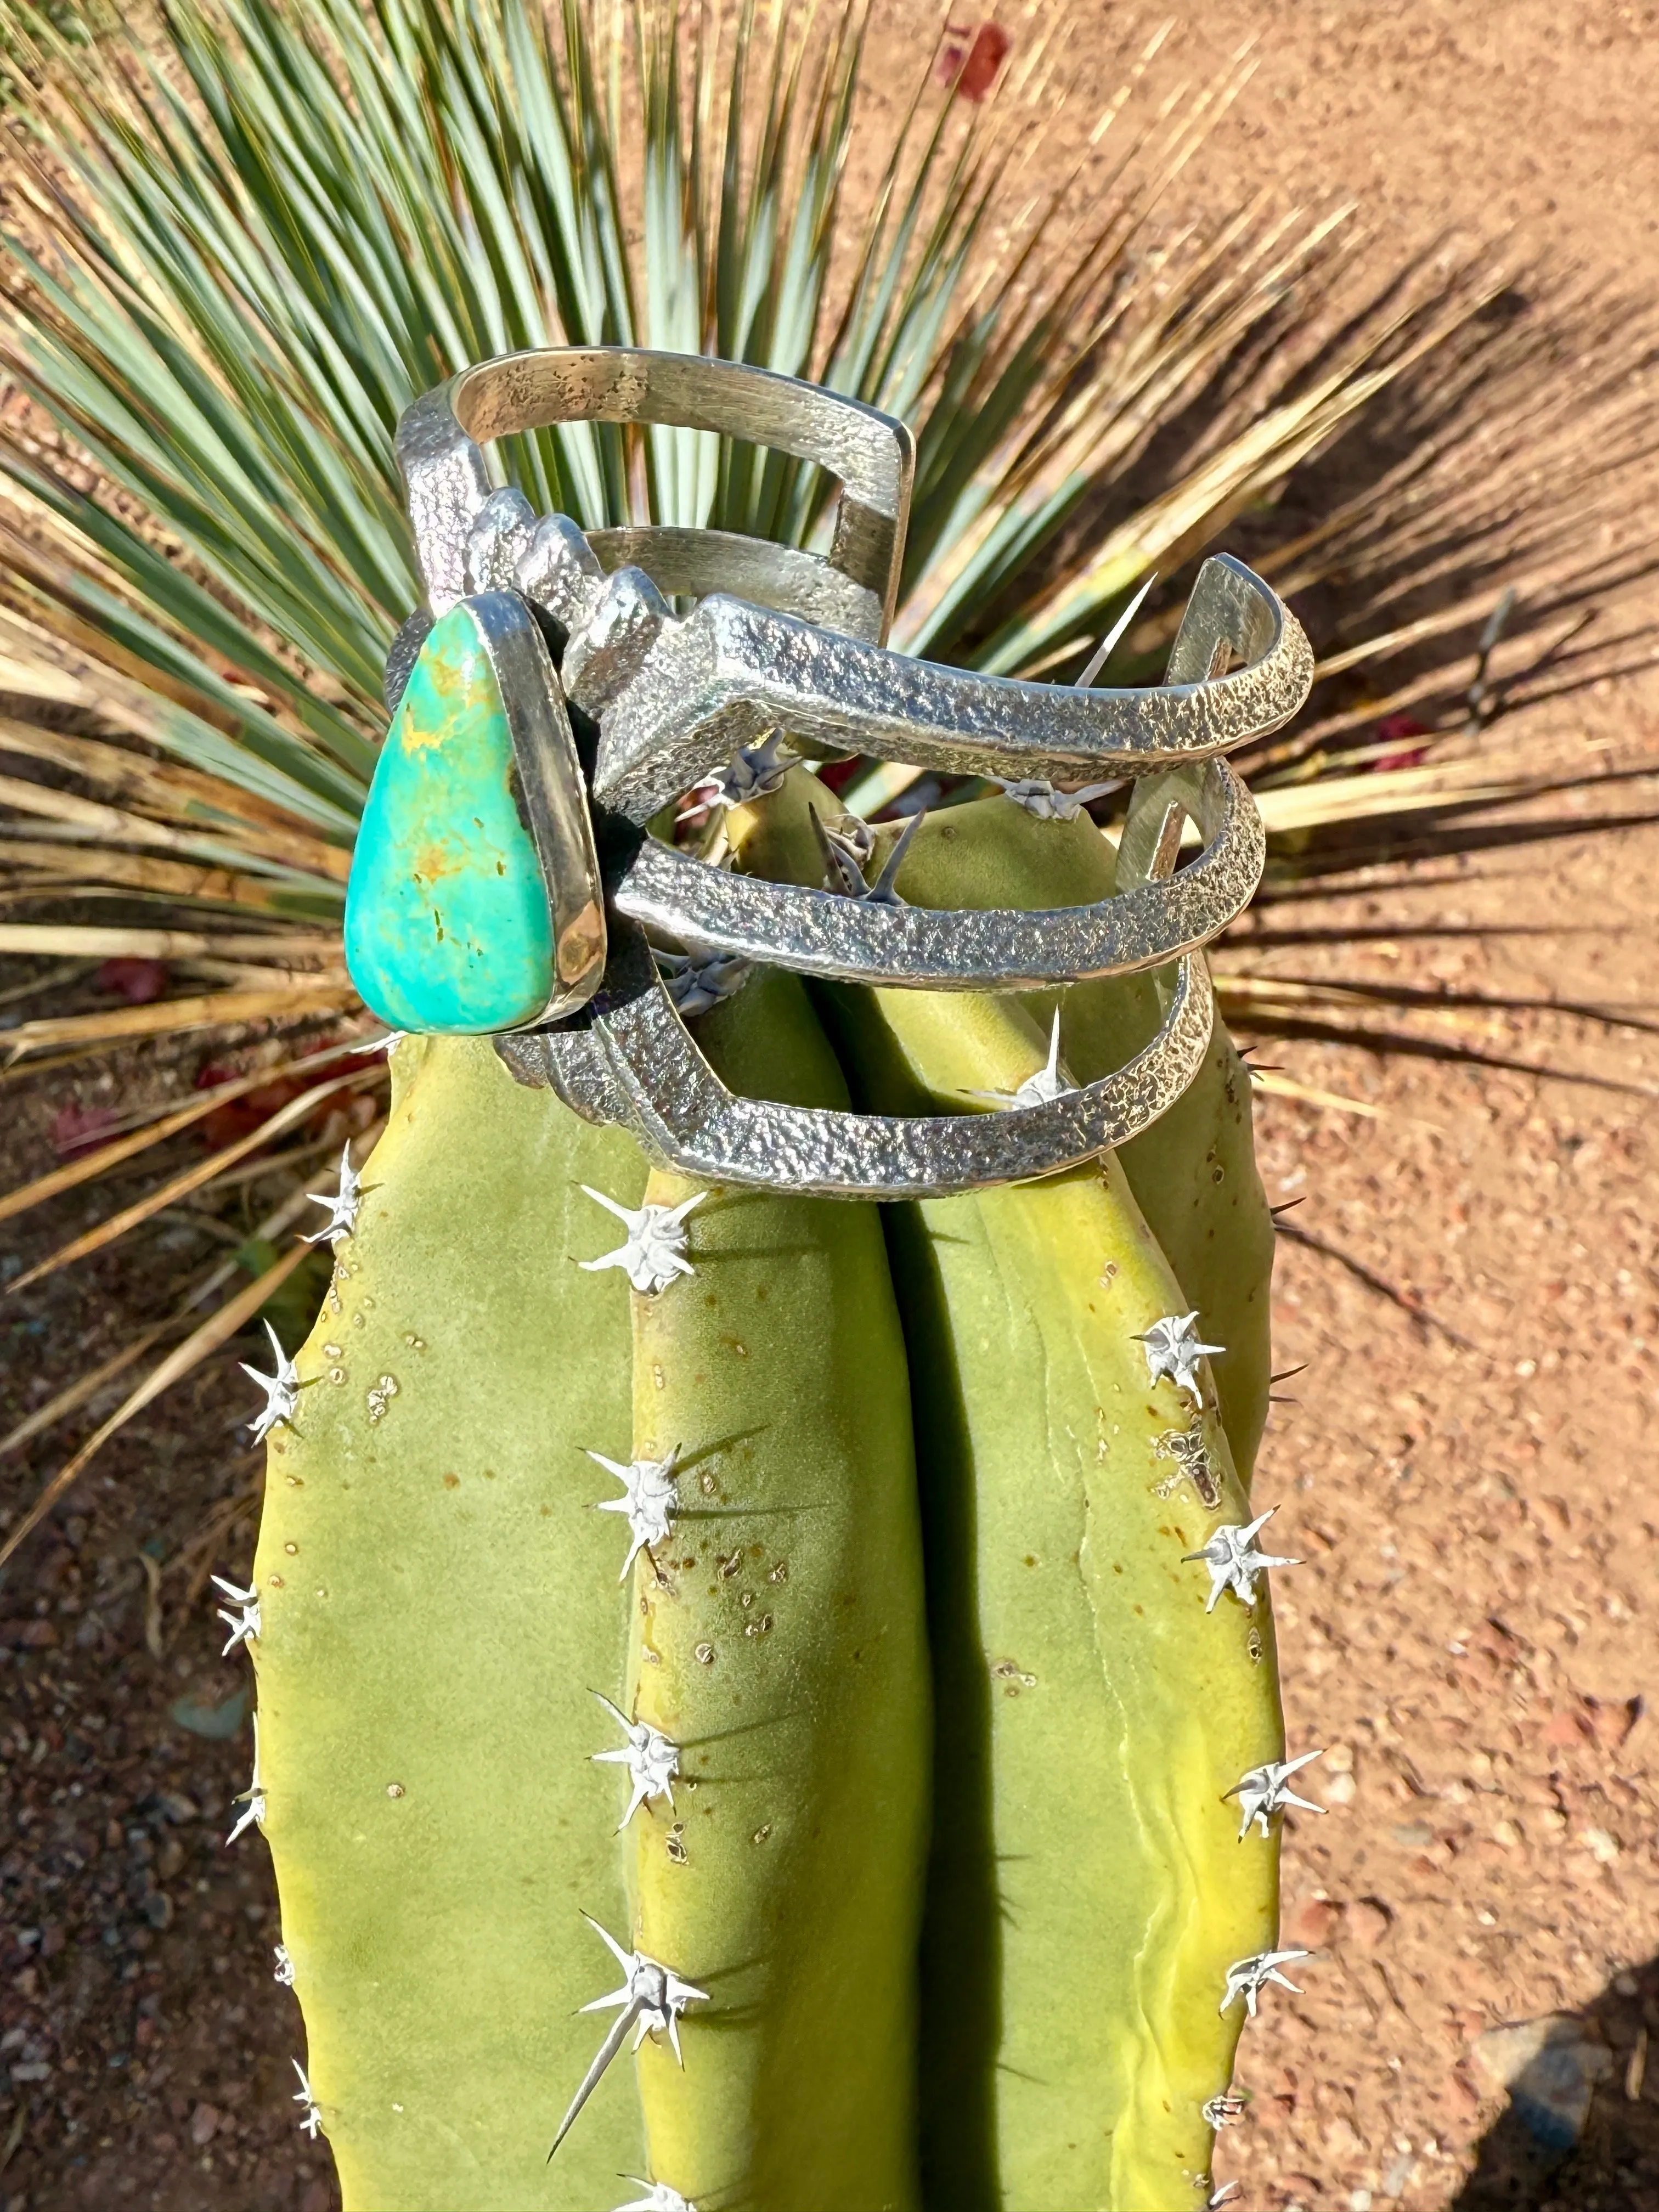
[251, 231]
[241, 235]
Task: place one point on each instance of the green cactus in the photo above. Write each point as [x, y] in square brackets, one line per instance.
[1111, 1715]
[1192, 1173]
[460, 1701]
[781, 1645]
[439, 1606]
[438, 1602]
[1089, 1890]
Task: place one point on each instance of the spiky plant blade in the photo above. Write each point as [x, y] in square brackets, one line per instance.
[243, 234]
[219, 1327]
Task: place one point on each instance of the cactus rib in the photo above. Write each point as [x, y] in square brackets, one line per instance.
[1083, 1843]
[438, 1601]
[780, 1645]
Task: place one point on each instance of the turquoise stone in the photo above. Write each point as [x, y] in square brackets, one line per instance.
[446, 922]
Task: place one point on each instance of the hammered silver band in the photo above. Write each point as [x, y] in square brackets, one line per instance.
[440, 436]
[784, 640]
[730, 672]
[636, 1064]
[989, 949]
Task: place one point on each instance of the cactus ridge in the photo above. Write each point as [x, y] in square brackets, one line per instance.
[781, 1645]
[471, 1737]
[1192, 1172]
[1088, 1902]
[438, 1601]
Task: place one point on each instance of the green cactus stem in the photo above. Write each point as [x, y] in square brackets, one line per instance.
[1192, 1173]
[438, 1601]
[780, 1644]
[1088, 1893]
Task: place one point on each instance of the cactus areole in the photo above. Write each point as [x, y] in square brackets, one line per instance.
[767, 1693]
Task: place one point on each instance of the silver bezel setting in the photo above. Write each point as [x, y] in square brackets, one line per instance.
[555, 796]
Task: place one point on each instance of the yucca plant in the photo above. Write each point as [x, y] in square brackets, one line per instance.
[243, 237]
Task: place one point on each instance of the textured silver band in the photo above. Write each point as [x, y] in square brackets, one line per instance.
[730, 672]
[635, 1063]
[785, 640]
[990, 949]
[441, 435]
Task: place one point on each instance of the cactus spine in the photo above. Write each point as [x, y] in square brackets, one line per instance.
[781, 1645]
[1087, 1894]
[438, 1599]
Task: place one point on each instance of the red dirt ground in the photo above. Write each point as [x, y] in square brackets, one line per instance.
[1467, 1472]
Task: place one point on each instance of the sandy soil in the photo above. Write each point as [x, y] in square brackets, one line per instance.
[1472, 1281]
[1471, 1285]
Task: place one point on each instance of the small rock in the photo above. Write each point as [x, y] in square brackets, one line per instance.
[204, 2125]
[1369, 1921]
[1461, 2091]
[1313, 1923]
[1412, 1835]
[1397, 2177]
[1343, 2139]
[1549, 2067]
[969, 60]
[217, 1722]
[139, 982]
[77, 1128]
[1613, 1719]
[1565, 1728]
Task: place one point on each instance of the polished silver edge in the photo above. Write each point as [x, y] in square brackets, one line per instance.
[692, 563]
[962, 948]
[731, 671]
[1221, 619]
[402, 654]
[441, 435]
[555, 795]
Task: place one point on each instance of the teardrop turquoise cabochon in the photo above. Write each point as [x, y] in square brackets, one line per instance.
[446, 920]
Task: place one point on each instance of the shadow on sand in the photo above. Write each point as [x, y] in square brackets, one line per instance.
[1614, 2164]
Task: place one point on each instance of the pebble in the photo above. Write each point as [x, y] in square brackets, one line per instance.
[1550, 2067]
